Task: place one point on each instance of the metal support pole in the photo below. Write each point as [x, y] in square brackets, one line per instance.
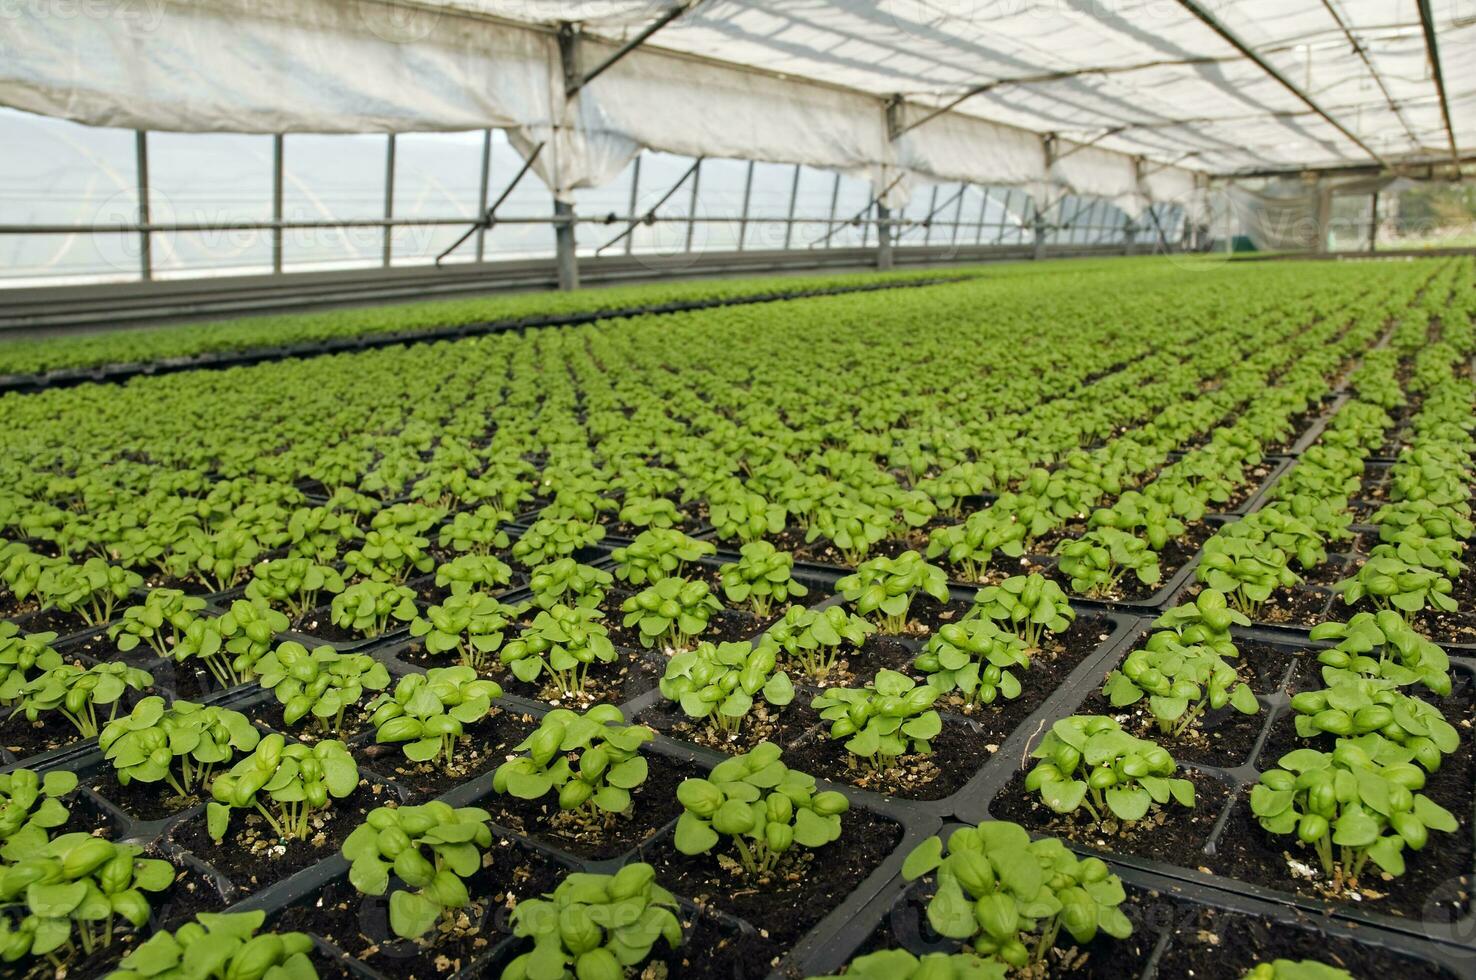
[389, 195]
[565, 254]
[983, 209]
[564, 246]
[892, 110]
[145, 241]
[883, 236]
[1048, 148]
[482, 190]
[830, 222]
[278, 157]
[635, 192]
[692, 203]
[1373, 223]
[793, 195]
[743, 218]
[928, 221]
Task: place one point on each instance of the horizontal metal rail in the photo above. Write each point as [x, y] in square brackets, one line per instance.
[134, 228]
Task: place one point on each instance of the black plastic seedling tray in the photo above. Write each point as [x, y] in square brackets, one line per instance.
[1179, 929]
[1167, 899]
[1210, 865]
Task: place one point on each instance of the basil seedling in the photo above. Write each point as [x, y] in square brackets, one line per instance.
[884, 720]
[1088, 761]
[1011, 897]
[594, 925]
[761, 806]
[719, 682]
[228, 941]
[430, 850]
[592, 761]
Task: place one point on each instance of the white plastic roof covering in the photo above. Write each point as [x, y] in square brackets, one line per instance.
[782, 80]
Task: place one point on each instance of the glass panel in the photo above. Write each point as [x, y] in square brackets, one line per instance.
[720, 196]
[970, 207]
[57, 172]
[436, 176]
[812, 207]
[601, 202]
[854, 199]
[770, 199]
[659, 173]
[211, 179]
[531, 198]
[332, 177]
[918, 206]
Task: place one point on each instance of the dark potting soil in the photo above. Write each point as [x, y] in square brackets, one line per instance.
[1299, 425]
[1264, 665]
[787, 903]
[33, 620]
[958, 752]
[1223, 737]
[16, 609]
[24, 739]
[724, 626]
[317, 624]
[1332, 571]
[782, 726]
[482, 748]
[689, 521]
[97, 647]
[1212, 944]
[1255, 478]
[1301, 606]
[1371, 486]
[822, 552]
[359, 924]
[999, 569]
[855, 667]
[189, 586]
[85, 813]
[1177, 552]
[1049, 668]
[268, 715]
[653, 805]
[1169, 833]
[144, 801]
[630, 675]
[252, 857]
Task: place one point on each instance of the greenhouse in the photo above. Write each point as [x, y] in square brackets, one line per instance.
[599, 489]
